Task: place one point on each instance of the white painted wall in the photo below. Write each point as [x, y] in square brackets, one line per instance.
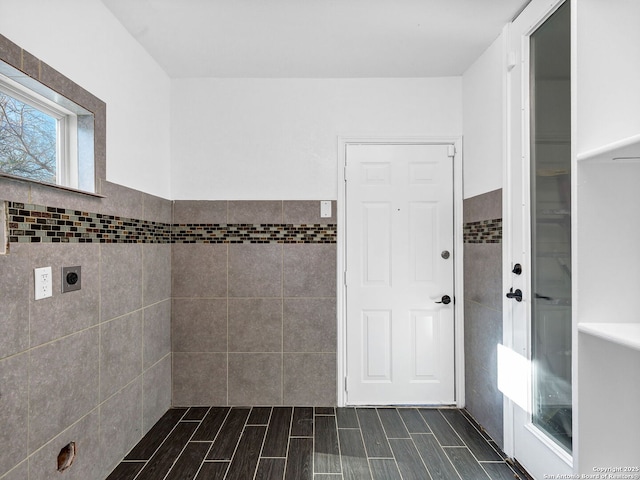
[83, 40]
[483, 100]
[277, 138]
[608, 67]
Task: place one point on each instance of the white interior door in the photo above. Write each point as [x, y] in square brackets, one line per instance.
[399, 224]
[535, 368]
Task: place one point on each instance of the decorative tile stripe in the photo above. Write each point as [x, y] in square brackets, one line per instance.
[36, 223]
[250, 233]
[42, 224]
[484, 231]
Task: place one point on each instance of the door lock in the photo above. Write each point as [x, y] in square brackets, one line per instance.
[445, 254]
[446, 299]
[517, 295]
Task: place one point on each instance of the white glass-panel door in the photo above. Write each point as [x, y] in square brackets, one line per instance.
[538, 229]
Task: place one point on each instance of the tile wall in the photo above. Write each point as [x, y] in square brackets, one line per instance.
[254, 303]
[483, 308]
[91, 366]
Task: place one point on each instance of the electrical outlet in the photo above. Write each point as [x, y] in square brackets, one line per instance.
[43, 281]
[325, 209]
[71, 279]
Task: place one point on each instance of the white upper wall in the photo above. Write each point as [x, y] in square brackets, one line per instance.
[608, 68]
[483, 102]
[262, 139]
[83, 41]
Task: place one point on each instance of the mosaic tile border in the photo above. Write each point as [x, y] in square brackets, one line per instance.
[483, 231]
[254, 233]
[29, 223]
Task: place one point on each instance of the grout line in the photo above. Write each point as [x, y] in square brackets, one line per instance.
[282, 369]
[146, 462]
[227, 302]
[286, 458]
[264, 439]
[142, 322]
[175, 460]
[339, 445]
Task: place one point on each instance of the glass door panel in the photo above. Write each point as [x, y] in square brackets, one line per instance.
[551, 227]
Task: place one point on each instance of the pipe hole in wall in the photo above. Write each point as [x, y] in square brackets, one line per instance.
[66, 456]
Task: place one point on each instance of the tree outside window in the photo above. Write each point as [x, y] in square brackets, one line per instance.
[28, 143]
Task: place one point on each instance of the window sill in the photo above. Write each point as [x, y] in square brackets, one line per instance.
[52, 185]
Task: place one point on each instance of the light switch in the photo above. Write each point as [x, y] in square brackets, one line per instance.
[325, 209]
[43, 282]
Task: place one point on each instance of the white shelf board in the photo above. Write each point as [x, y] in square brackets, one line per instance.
[622, 149]
[627, 334]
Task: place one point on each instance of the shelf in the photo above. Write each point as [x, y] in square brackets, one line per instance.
[627, 149]
[627, 334]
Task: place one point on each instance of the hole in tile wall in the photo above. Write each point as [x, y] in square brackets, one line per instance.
[66, 456]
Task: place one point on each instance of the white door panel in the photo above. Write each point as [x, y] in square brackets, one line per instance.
[399, 218]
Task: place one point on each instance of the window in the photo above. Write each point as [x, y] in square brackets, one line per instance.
[44, 137]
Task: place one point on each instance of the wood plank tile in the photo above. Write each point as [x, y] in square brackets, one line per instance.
[244, 463]
[354, 457]
[325, 411]
[154, 437]
[408, 459]
[211, 424]
[126, 471]
[259, 416]
[384, 469]
[326, 452]
[392, 423]
[327, 476]
[195, 413]
[375, 440]
[499, 471]
[466, 465]
[302, 425]
[437, 462]
[300, 459]
[213, 471]
[158, 466]
[413, 420]
[441, 428]
[189, 461]
[275, 445]
[347, 417]
[471, 437]
[271, 469]
[227, 440]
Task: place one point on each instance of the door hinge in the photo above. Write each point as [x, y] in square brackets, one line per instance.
[345, 278]
[345, 173]
[346, 384]
[451, 150]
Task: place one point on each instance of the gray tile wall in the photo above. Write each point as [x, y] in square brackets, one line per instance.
[92, 366]
[253, 324]
[483, 317]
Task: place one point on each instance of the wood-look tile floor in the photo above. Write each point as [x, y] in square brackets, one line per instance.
[306, 443]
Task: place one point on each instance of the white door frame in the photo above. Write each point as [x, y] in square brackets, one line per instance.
[456, 142]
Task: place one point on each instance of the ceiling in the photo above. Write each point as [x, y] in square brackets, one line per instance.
[314, 38]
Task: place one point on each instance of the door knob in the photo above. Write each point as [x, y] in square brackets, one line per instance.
[517, 294]
[446, 299]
